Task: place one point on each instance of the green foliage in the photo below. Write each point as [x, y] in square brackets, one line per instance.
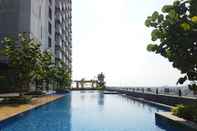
[101, 80]
[46, 72]
[29, 63]
[5, 82]
[35, 93]
[62, 76]
[193, 87]
[174, 36]
[62, 91]
[100, 88]
[24, 59]
[188, 112]
[17, 100]
[193, 9]
[152, 47]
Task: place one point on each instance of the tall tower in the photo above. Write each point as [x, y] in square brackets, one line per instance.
[63, 33]
[48, 21]
[34, 17]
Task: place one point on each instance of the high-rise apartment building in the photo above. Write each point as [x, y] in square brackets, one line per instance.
[63, 32]
[48, 21]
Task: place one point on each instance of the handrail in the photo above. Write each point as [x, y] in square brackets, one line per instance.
[176, 91]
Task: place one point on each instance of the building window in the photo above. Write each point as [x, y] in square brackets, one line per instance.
[50, 2]
[50, 13]
[49, 28]
[41, 32]
[40, 12]
[49, 42]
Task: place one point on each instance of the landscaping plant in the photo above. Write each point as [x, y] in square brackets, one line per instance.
[174, 37]
[23, 55]
[188, 112]
[29, 63]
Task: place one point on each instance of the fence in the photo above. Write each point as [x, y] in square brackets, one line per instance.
[172, 91]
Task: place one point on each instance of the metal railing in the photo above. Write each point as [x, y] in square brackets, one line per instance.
[171, 91]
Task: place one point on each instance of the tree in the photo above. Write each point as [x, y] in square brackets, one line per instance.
[101, 81]
[28, 63]
[175, 36]
[51, 72]
[61, 76]
[24, 59]
[47, 73]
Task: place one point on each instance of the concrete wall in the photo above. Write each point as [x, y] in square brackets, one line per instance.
[32, 16]
[40, 21]
[14, 17]
[164, 99]
[63, 25]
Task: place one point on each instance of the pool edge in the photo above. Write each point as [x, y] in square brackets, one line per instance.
[170, 118]
[30, 108]
[150, 102]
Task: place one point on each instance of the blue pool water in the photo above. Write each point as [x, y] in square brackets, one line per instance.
[89, 111]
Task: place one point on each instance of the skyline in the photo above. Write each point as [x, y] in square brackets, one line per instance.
[112, 38]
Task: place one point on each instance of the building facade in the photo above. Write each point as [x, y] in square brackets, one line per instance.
[48, 21]
[63, 33]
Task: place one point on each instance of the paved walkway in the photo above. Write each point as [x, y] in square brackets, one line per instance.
[8, 111]
[9, 94]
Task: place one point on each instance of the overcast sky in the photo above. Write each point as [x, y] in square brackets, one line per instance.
[109, 36]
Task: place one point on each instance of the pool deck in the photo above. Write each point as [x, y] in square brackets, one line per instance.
[9, 111]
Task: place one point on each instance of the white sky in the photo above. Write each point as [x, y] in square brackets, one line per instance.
[109, 36]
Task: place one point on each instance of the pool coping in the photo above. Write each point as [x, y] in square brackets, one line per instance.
[30, 108]
[169, 117]
[168, 107]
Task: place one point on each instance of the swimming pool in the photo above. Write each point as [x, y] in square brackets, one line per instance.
[89, 111]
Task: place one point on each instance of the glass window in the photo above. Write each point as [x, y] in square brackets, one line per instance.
[49, 42]
[49, 28]
[50, 13]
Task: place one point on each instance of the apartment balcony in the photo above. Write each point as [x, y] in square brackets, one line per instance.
[64, 6]
[58, 30]
[58, 18]
[59, 6]
[58, 55]
[64, 17]
[58, 43]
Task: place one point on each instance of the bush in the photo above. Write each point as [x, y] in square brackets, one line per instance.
[17, 100]
[188, 112]
[62, 91]
[100, 88]
[35, 93]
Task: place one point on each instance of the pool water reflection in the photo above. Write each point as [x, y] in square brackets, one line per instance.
[90, 111]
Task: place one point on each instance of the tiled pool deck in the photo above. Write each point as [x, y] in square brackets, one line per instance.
[8, 111]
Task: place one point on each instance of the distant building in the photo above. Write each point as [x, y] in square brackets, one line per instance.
[48, 21]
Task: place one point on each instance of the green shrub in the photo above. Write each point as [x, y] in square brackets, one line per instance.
[100, 88]
[35, 93]
[61, 91]
[188, 112]
[17, 100]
